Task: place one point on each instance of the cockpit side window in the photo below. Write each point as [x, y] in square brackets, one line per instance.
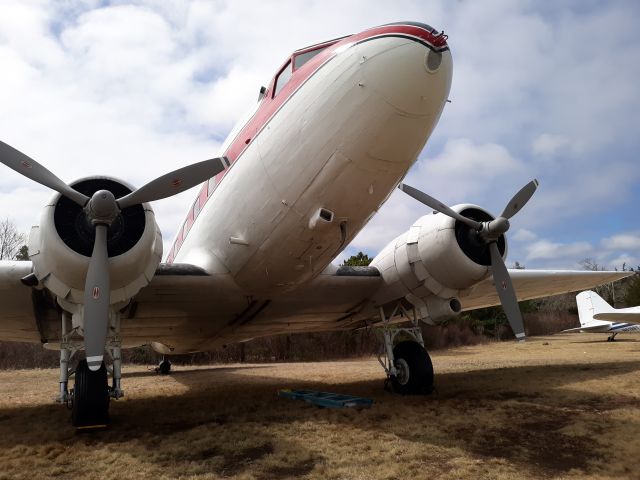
[283, 78]
[302, 58]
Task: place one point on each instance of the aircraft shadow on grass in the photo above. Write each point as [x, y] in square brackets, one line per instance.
[517, 414]
[182, 371]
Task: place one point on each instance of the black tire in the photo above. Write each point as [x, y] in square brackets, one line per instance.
[412, 358]
[90, 397]
[165, 367]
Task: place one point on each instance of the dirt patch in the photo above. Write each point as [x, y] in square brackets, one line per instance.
[609, 403]
[182, 425]
[295, 470]
[531, 437]
[237, 461]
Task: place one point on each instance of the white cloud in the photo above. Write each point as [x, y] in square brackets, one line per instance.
[626, 261]
[547, 250]
[609, 252]
[548, 144]
[466, 171]
[524, 235]
[622, 241]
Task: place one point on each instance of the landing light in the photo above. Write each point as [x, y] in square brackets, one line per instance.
[432, 61]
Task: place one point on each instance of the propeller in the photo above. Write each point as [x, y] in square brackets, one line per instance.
[101, 210]
[488, 233]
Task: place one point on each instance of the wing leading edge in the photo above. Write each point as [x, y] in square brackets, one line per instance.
[531, 284]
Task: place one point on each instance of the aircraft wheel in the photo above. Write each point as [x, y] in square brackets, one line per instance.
[165, 367]
[414, 367]
[90, 397]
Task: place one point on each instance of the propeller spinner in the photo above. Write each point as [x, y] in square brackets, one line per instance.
[101, 210]
[489, 233]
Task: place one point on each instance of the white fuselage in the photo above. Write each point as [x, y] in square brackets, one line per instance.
[341, 142]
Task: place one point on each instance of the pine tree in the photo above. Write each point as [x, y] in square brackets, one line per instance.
[359, 260]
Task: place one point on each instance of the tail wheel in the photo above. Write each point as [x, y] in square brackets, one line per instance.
[414, 369]
[90, 397]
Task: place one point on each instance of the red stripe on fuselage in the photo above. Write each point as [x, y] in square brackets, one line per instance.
[270, 105]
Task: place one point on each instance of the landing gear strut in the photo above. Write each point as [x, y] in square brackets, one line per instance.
[407, 365]
[612, 337]
[90, 396]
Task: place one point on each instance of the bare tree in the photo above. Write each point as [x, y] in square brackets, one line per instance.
[591, 264]
[10, 240]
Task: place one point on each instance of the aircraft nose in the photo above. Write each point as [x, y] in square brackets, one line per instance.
[410, 72]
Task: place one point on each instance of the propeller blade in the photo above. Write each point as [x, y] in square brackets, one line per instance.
[520, 199]
[431, 202]
[96, 300]
[175, 182]
[505, 290]
[31, 169]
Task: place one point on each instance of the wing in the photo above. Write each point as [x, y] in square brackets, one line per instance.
[530, 284]
[626, 317]
[17, 313]
[194, 311]
[185, 309]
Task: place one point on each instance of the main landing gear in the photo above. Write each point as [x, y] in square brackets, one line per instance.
[91, 394]
[407, 364]
[164, 368]
[612, 337]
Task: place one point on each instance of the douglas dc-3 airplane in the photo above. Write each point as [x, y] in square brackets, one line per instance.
[596, 315]
[328, 141]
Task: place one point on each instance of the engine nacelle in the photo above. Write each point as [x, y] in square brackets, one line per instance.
[432, 263]
[61, 245]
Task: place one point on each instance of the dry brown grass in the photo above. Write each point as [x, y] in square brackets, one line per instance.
[557, 407]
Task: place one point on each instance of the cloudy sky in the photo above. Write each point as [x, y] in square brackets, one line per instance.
[547, 90]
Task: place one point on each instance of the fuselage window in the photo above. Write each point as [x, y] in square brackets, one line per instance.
[303, 58]
[283, 78]
[212, 185]
[196, 208]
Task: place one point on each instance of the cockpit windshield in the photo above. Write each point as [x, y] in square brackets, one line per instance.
[298, 59]
[304, 57]
[283, 77]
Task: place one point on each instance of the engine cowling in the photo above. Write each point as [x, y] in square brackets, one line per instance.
[432, 263]
[60, 246]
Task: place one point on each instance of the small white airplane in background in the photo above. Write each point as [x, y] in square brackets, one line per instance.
[331, 136]
[596, 315]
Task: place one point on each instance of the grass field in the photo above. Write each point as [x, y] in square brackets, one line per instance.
[566, 406]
